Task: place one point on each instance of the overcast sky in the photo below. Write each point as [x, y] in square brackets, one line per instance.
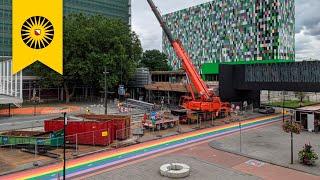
[147, 27]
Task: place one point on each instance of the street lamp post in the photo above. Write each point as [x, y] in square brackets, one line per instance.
[34, 93]
[105, 72]
[291, 142]
[237, 113]
[64, 144]
[283, 100]
[240, 136]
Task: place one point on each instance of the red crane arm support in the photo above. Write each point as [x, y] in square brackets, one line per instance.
[191, 71]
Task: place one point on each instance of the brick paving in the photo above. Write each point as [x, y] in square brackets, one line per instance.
[272, 172]
[206, 153]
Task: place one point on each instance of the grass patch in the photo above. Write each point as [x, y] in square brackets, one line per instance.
[292, 104]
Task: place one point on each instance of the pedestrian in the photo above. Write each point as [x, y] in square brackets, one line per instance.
[144, 118]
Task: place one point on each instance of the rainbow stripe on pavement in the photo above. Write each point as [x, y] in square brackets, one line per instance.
[91, 163]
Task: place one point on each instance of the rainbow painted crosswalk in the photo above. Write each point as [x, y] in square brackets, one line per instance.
[104, 160]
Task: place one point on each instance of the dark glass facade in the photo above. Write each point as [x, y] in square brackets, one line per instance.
[110, 8]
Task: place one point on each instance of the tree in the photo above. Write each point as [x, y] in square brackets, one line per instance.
[90, 44]
[155, 61]
[300, 96]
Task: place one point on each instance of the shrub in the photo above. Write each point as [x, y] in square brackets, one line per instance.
[307, 155]
[291, 127]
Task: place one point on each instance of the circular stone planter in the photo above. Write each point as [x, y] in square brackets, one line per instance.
[175, 170]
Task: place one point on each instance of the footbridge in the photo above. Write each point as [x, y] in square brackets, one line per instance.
[244, 82]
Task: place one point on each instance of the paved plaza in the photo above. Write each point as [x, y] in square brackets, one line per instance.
[272, 144]
[200, 170]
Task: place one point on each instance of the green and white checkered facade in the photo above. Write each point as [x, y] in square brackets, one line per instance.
[234, 30]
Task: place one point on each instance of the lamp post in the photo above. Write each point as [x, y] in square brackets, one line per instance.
[240, 136]
[237, 113]
[34, 93]
[283, 106]
[240, 130]
[65, 122]
[291, 127]
[105, 72]
[291, 142]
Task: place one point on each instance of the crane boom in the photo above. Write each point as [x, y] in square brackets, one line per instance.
[208, 101]
[187, 64]
[158, 16]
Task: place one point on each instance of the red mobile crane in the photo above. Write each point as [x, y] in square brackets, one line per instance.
[208, 101]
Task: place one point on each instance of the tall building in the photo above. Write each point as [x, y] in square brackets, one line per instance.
[5, 28]
[234, 31]
[111, 8]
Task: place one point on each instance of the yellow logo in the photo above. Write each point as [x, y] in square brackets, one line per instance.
[37, 32]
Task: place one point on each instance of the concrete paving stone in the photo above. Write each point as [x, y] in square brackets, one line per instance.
[272, 144]
[149, 169]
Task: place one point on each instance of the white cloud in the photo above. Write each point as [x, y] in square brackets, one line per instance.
[307, 46]
[146, 25]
